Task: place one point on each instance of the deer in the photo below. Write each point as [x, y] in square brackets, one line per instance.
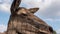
[23, 21]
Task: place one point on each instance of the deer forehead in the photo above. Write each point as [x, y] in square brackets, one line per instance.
[24, 11]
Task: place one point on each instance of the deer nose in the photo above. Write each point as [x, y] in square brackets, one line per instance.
[50, 29]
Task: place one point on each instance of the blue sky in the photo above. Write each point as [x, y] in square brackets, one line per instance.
[49, 12]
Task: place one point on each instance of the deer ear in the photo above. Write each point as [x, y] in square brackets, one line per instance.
[33, 10]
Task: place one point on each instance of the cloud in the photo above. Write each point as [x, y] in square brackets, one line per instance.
[58, 13]
[52, 20]
[4, 7]
[37, 3]
[58, 31]
[53, 11]
[42, 4]
[49, 19]
[5, 1]
[3, 28]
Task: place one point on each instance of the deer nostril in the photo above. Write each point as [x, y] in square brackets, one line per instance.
[50, 29]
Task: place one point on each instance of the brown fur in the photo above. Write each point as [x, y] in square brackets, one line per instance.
[23, 21]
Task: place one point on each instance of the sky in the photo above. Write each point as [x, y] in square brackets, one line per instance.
[49, 11]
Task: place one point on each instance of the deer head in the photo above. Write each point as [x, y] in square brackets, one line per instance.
[16, 10]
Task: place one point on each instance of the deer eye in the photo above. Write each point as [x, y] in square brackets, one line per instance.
[24, 14]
